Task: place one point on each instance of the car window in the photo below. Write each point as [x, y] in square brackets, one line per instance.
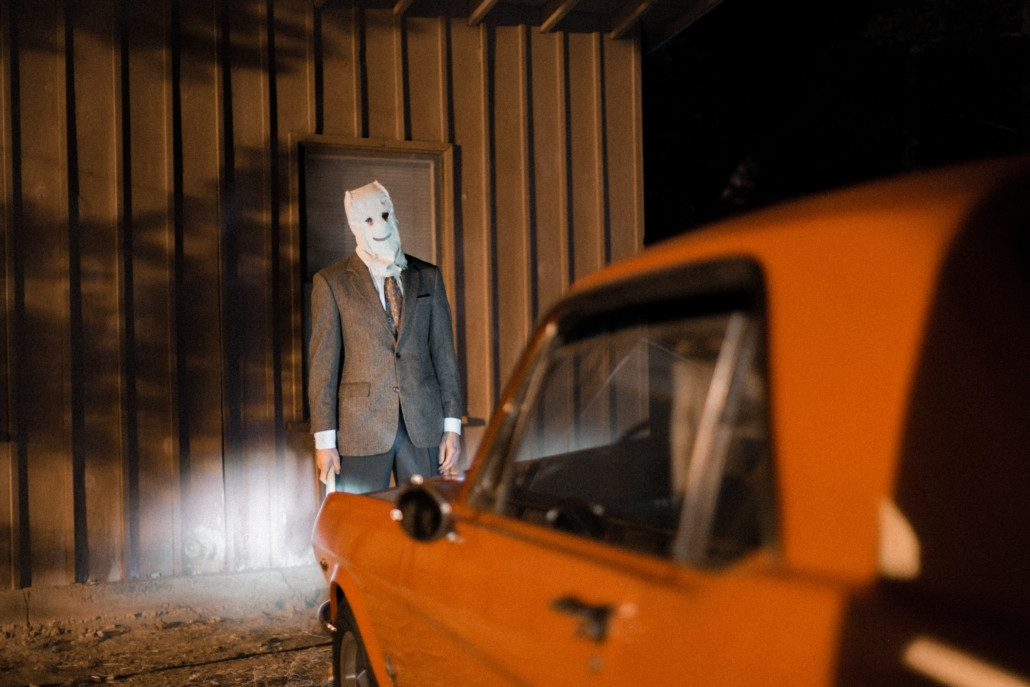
[647, 430]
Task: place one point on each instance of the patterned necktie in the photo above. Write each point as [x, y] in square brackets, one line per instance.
[393, 303]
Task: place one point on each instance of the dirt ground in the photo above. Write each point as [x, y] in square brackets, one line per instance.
[173, 643]
[259, 650]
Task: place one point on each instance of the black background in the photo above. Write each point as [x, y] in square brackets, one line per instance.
[761, 101]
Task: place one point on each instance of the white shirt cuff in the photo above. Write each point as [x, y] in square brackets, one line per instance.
[325, 439]
[452, 424]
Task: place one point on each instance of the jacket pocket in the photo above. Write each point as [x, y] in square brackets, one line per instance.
[353, 389]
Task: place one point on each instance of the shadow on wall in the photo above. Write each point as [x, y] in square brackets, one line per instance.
[147, 418]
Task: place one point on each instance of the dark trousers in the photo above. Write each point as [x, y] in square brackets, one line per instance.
[360, 474]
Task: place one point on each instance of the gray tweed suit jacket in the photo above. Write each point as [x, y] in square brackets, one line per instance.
[361, 377]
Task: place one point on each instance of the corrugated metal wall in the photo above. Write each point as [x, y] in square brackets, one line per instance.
[151, 356]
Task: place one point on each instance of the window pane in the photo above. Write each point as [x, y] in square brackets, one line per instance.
[606, 447]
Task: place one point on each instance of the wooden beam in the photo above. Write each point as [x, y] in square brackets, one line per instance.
[627, 17]
[691, 13]
[553, 12]
[480, 11]
[401, 7]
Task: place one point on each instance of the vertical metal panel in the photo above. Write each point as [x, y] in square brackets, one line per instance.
[468, 99]
[8, 482]
[342, 79]
[249, 458]
[294, 491]
[147, 281]
[20, 551]
[198, 289]
[624, 145]
[510, 262]
[95, 68]
[426, 73]
[42, 333]
[550, 201]
[9, 479]
[383, 65]
[586, 145]
[295, 109]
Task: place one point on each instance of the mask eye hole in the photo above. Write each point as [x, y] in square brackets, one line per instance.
[368, 221]
[386, 216]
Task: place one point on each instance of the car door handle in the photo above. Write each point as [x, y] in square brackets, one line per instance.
[593, 617]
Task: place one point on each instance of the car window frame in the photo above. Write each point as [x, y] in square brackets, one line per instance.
[733, 284]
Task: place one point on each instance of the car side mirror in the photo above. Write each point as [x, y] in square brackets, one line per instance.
[422, 511]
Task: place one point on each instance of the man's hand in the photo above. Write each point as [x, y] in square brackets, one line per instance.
[450, 450]
[328, 461]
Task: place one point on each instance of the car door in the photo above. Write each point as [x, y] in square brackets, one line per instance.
[501, 605]
[504, 605]
[622, 527]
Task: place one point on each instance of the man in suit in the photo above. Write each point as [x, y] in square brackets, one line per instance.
[384, 389]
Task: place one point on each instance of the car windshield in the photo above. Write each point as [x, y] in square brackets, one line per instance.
[647, 431]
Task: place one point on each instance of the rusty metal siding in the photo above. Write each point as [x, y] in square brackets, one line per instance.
[152, 296]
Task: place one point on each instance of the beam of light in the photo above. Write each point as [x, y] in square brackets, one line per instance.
[956, 668]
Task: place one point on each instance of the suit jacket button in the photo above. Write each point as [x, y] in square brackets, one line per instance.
[398, 354]
[396, 388]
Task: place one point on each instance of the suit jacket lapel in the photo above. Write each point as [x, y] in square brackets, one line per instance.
[411, 281]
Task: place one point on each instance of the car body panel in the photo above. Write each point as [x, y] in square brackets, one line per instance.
[491, 640]
[892, 427]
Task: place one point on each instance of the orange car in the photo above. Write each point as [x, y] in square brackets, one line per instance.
[791, 449]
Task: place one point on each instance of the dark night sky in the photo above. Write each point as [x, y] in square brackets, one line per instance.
[759, 102]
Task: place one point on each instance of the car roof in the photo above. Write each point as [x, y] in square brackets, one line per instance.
[898, 322]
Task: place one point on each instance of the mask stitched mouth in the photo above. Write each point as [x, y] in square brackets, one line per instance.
[376, 238]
